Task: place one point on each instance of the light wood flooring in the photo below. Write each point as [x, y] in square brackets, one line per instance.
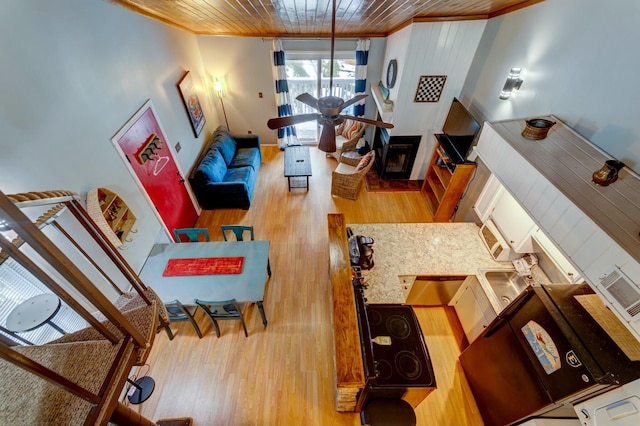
[283, 374]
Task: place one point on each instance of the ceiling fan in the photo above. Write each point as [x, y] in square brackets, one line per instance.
[329, 107]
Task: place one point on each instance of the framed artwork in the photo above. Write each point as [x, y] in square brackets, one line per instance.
[430, 88]
[191, 103]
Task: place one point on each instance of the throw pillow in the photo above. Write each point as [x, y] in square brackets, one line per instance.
[225, 143]
[364, 161]
[350, 128]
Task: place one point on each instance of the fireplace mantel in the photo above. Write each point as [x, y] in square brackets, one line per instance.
[386, 116]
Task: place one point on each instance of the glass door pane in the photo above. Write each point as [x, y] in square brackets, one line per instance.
[344, 74]
[302, 76]
[312, 76]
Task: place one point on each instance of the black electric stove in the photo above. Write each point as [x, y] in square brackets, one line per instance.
[395, 355]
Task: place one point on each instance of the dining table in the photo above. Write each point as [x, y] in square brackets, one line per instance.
[213, 271]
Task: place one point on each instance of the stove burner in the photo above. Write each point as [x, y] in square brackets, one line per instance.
[374, 316]
[408, 365]
[383, 369]
[398, 327]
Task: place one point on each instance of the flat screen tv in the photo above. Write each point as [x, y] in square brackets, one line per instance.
[459, 131]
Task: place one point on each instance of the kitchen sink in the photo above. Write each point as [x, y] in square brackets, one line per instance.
[505, 284]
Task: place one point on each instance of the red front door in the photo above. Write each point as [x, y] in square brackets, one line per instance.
[144, 145]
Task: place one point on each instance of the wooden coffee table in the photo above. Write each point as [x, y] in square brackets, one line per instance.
[297, 163]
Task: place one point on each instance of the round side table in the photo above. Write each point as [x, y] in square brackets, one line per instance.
[34, 312]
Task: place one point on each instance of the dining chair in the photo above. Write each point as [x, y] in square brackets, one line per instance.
[237, 230]
[178, 312]
[222, 310]
[192, 234]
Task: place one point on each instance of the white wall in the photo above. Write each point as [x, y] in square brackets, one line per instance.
[579, 60]
[73, 72]
[435, 48]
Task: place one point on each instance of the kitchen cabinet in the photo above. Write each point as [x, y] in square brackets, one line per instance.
[473, 308]
[514, 223]
[488, 197]
[595, 227]
[444, 184]
[569, 272]
[112, 215]
[406, 283]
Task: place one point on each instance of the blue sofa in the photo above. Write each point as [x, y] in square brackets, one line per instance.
[225, 173]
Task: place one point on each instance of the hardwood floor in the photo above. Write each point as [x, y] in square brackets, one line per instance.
[283, 374]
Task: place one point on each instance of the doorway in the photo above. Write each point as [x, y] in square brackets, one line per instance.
[150, 159]
[309, 73]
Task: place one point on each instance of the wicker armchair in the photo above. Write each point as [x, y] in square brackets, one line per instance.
[346, 179]
[348, 142]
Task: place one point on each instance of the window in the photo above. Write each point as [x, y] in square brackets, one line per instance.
[17, 285]
[309, 73]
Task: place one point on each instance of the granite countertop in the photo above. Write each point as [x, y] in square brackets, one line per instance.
[421, 249]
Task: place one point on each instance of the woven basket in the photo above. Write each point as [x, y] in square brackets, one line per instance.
[537, 128]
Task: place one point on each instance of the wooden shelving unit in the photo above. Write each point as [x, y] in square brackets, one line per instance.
[111, 214]
[444, 184]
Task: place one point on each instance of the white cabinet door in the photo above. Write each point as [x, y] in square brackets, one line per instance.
[470, 311]
[514, 222]
[488, 197]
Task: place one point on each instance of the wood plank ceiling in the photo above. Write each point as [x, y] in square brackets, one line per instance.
[312, 18]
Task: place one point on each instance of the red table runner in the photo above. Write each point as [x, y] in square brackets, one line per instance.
[203, 266]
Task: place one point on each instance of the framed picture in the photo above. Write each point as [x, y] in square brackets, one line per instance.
[430, 88]
[191, 103]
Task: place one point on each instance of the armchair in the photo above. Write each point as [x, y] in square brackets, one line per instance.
[347, 136]
[346, 179]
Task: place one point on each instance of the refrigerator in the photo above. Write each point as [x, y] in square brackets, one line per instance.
[540, 355]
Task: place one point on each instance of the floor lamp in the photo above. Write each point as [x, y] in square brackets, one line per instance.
[218, 87]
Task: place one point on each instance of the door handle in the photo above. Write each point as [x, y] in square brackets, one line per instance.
[181, 178]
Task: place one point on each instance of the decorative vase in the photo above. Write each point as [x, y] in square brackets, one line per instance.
[608, 173]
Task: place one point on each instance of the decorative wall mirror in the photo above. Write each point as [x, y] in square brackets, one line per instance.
[392, 72]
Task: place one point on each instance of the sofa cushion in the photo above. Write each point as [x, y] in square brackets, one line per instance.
[213, 168]
[224, 143]
[247, 157]
[245, 175]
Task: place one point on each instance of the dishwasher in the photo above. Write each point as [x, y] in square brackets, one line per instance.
[434, 290]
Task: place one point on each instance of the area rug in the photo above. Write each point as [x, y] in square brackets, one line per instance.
[375, 184]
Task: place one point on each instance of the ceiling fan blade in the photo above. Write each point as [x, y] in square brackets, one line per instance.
[276, 123]
[353, 100]
[328, 138]
[307, 99]
[373, 122]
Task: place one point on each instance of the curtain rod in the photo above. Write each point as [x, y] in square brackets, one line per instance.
[264, 39]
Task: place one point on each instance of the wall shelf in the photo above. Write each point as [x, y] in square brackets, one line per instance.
[111, 214]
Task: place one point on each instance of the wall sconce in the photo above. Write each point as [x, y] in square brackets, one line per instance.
[218, 88]
[513, 83]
